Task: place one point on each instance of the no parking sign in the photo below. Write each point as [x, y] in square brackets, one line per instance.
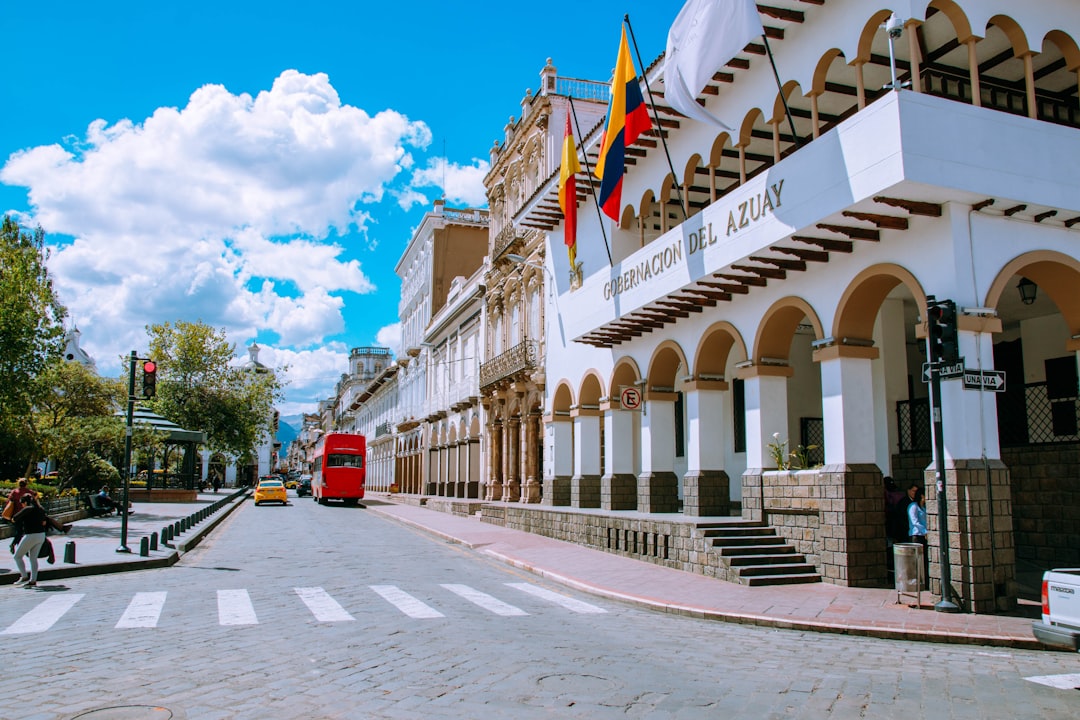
[630, 398]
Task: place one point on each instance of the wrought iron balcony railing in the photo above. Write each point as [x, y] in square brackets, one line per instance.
[517, 359]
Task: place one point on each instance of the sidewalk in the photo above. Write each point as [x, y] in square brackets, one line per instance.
[819, 607]
[95, 541]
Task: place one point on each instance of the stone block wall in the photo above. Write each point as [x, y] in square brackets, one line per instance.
[833, 515]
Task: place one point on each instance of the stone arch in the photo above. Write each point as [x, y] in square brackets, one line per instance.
[1056, 274]
[821, 71]
[1068, 47]
[664, 364]
[746, 128]
[625, 372]
[869, 32]
[778, 326]
[592, 388]
[1016, 35]
[956, 16]
[858, 307]
[779, 114]
[714, 350]
[562, 399]
[474, 425]
[716, 152]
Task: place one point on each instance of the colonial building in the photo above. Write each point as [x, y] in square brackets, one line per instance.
[447, 247]
[376, 410]
[756, 342]
[512, 378]
[455, 343]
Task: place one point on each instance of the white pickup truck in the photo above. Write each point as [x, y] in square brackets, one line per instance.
[1060, 624]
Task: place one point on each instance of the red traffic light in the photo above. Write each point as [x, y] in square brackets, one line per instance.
[149, 366]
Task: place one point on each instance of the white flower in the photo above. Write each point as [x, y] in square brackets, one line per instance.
[776, 436]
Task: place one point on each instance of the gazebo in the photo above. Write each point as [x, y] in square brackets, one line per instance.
[187, 441]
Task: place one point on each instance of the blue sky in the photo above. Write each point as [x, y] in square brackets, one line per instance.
[260, 166]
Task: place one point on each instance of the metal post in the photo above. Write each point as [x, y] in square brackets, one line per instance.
[127, 458]
[946, 604]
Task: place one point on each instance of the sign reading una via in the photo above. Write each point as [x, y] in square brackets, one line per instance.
[992, 380]
[946, 372]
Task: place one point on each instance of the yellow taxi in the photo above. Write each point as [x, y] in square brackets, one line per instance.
[270, 490]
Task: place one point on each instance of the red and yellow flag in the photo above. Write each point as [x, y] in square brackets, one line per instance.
[628, 117]
[568, 170]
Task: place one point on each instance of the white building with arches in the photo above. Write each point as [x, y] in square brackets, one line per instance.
[771, 292]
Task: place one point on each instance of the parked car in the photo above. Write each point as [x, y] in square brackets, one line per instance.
[303, 486]
[270, 489]
[1060, 624]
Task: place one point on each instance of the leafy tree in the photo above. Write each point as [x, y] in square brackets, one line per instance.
[201, 388]
[31, 324]
[74, 423]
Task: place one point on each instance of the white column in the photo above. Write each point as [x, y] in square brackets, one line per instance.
[766, 413]
[848, 406]
[705, 442]
[618, 442]
[969, 417]
[658, 437]
[564, 454]
[587, 445]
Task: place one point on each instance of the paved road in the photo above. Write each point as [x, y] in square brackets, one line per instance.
[332, 612]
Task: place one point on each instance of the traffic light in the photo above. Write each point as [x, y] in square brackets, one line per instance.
[149, 378]
[944, 345]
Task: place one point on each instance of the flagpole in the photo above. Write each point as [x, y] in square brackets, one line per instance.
[783, 98]
[588, 172]
[656, 116]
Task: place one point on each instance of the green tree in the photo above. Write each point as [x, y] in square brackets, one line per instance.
[31, 328]
[201, 388]
[75, 423]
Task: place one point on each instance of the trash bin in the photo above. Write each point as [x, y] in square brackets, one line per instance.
[908, 568]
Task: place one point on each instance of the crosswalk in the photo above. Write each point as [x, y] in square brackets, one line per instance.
[235, 606]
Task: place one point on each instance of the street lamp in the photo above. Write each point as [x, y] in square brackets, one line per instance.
[1027, 290]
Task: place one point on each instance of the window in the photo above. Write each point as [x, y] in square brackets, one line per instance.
[680, 426]
[738, 397]
[341, 460]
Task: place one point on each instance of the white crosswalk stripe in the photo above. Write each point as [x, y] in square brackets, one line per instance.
[322, 606]
[406, 603]
[143, 611]
[569, 603]
[44, 616]
[235, 608]
[485, 601]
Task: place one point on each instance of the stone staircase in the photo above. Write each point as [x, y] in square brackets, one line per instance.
[754, 554]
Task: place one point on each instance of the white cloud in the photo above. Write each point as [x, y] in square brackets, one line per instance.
[460, 183]
[218, 211]
[390, 337]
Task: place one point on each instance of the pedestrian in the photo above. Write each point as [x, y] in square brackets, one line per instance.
[14, 501]
[31, 522]
[916, 512]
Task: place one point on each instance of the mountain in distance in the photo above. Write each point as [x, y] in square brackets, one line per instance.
[288, 429]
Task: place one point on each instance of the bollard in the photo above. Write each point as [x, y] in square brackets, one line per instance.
[69, 552]
[166, 534]
[176, 529]
[144, 547]
[153, 541]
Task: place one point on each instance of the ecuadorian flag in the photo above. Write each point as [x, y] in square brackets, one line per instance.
[628, 117]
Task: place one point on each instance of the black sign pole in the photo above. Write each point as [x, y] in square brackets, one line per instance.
[127, 458]
[945, 605]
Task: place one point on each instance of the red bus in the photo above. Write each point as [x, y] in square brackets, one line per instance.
[338, 468]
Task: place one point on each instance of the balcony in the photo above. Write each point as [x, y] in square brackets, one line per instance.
[504, 240]
[520, 358]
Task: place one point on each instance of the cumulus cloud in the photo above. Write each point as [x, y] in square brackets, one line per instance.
[218, 211]
[461, 183]
[390, 337]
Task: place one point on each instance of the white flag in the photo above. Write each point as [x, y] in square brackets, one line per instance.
[705, 36]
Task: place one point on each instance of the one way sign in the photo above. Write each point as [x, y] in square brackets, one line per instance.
[993, 380]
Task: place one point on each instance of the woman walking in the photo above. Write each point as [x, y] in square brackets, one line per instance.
[31, 522]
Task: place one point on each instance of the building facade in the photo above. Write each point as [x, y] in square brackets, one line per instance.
[756, 342]
[512, 380]
[447, 247]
